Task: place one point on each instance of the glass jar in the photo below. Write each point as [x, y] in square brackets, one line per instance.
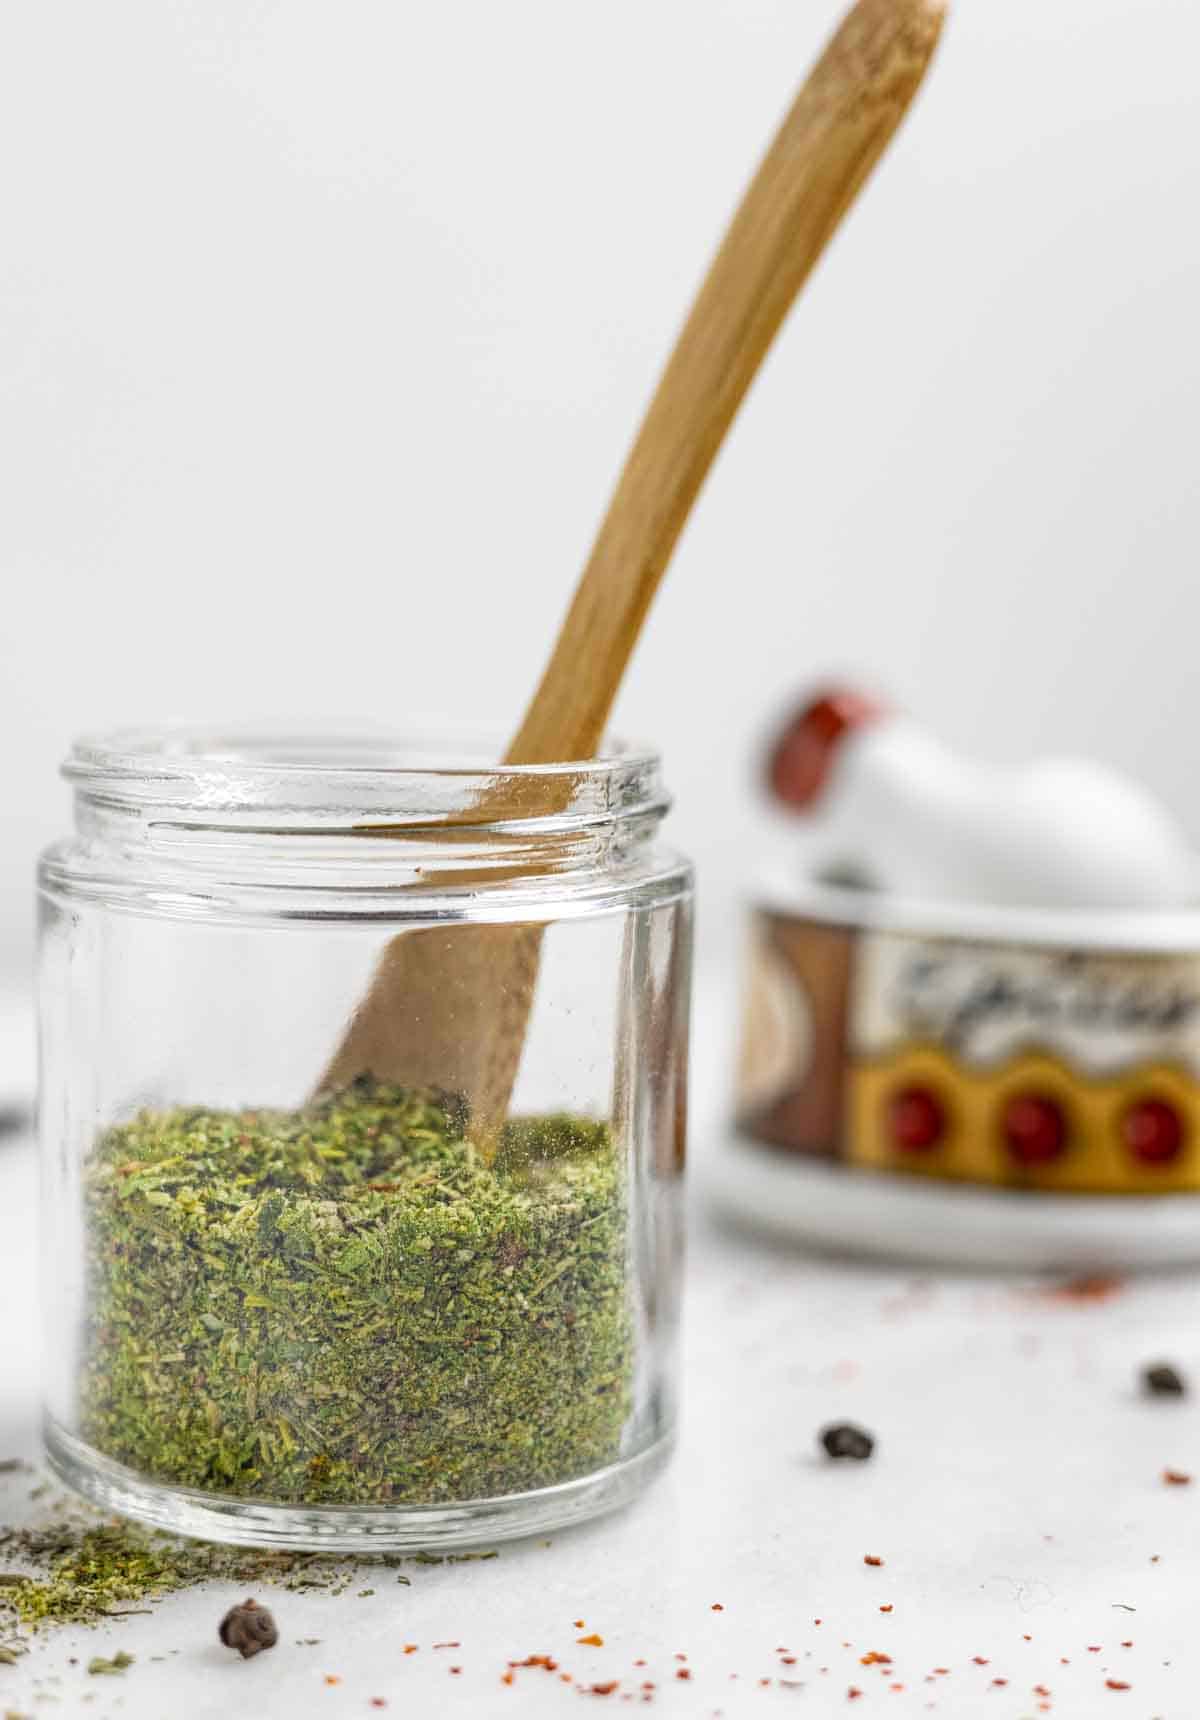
[315, 1274]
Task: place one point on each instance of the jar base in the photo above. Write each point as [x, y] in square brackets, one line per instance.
[347, 1528]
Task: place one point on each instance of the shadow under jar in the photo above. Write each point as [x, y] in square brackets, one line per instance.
[293, 1301]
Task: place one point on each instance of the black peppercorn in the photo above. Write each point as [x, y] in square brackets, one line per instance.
[1162, 1380]
[843, 1439]
[249, 1628]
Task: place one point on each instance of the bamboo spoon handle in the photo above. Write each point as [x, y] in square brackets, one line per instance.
[450, 1009]
[839, 125]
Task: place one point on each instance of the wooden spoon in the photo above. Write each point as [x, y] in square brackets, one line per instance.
[448, 1007]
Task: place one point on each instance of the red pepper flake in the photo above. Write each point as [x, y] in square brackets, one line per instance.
[447, 1645]
[979, 1659]
[683, 1672]
[593, 1641]
[1063, 1661]
[872, 1559]
[1040, 1690]
[717, 1607]
[887, 1608]
[1155, 1557]
[580, 1624]
[942, 1671]
[1093, 1648]
[544, 1660]
[1127, 1644]
[506, 1678]
[679, 1656]
[1094, 1287]
[895, 1687]
[874, 1658]
[1116, 1684]
[410, 1648]
[816, 1621]
[1025, 1637]
[605, 1689]
[763, 1682]
[999, 1680]
[649, 1684]
[1176, 1478]
[787, 1660]
[853, 1693]
[332, 1678]
[454, 1670]
[639, 1663]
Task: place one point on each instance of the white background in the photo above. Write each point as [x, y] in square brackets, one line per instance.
[323, 330]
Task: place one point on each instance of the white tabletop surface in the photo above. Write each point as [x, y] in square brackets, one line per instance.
[1016, 1499]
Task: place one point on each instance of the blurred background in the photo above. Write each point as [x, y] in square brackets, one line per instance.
[324, 330]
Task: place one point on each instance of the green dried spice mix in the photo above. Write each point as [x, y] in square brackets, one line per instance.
[86, 1570]
[348, 1305]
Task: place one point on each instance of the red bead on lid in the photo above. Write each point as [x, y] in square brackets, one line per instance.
[1035, 1129]
[801, 757]
[1152, 1131]
[916, 1119]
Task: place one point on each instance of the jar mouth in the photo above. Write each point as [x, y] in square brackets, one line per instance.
[339, 774]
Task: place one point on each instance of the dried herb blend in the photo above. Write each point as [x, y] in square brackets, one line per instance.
[346, 1304]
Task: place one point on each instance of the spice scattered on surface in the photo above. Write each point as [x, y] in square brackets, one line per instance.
[605, 1689]
[1160, 1379]
[291, 1265]
[874, 1658]
[1093, 1287]
[844, 1440]
[872, 1559]
[1176, 1478]
[886, 1607]
[87, 1568]
[249, 1628]
[1116, 1684]
[979, 1659]
[98, 1665]
[683, 1672]
[717, 1607]
[593, 1641]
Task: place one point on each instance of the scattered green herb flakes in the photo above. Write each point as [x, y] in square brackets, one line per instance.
[89, 1571]
[99, 1665]
[346, 1304]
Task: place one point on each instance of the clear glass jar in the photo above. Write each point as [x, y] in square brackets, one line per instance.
[292, 1296]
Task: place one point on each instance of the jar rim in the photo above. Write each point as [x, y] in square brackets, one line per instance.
[336, 772]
